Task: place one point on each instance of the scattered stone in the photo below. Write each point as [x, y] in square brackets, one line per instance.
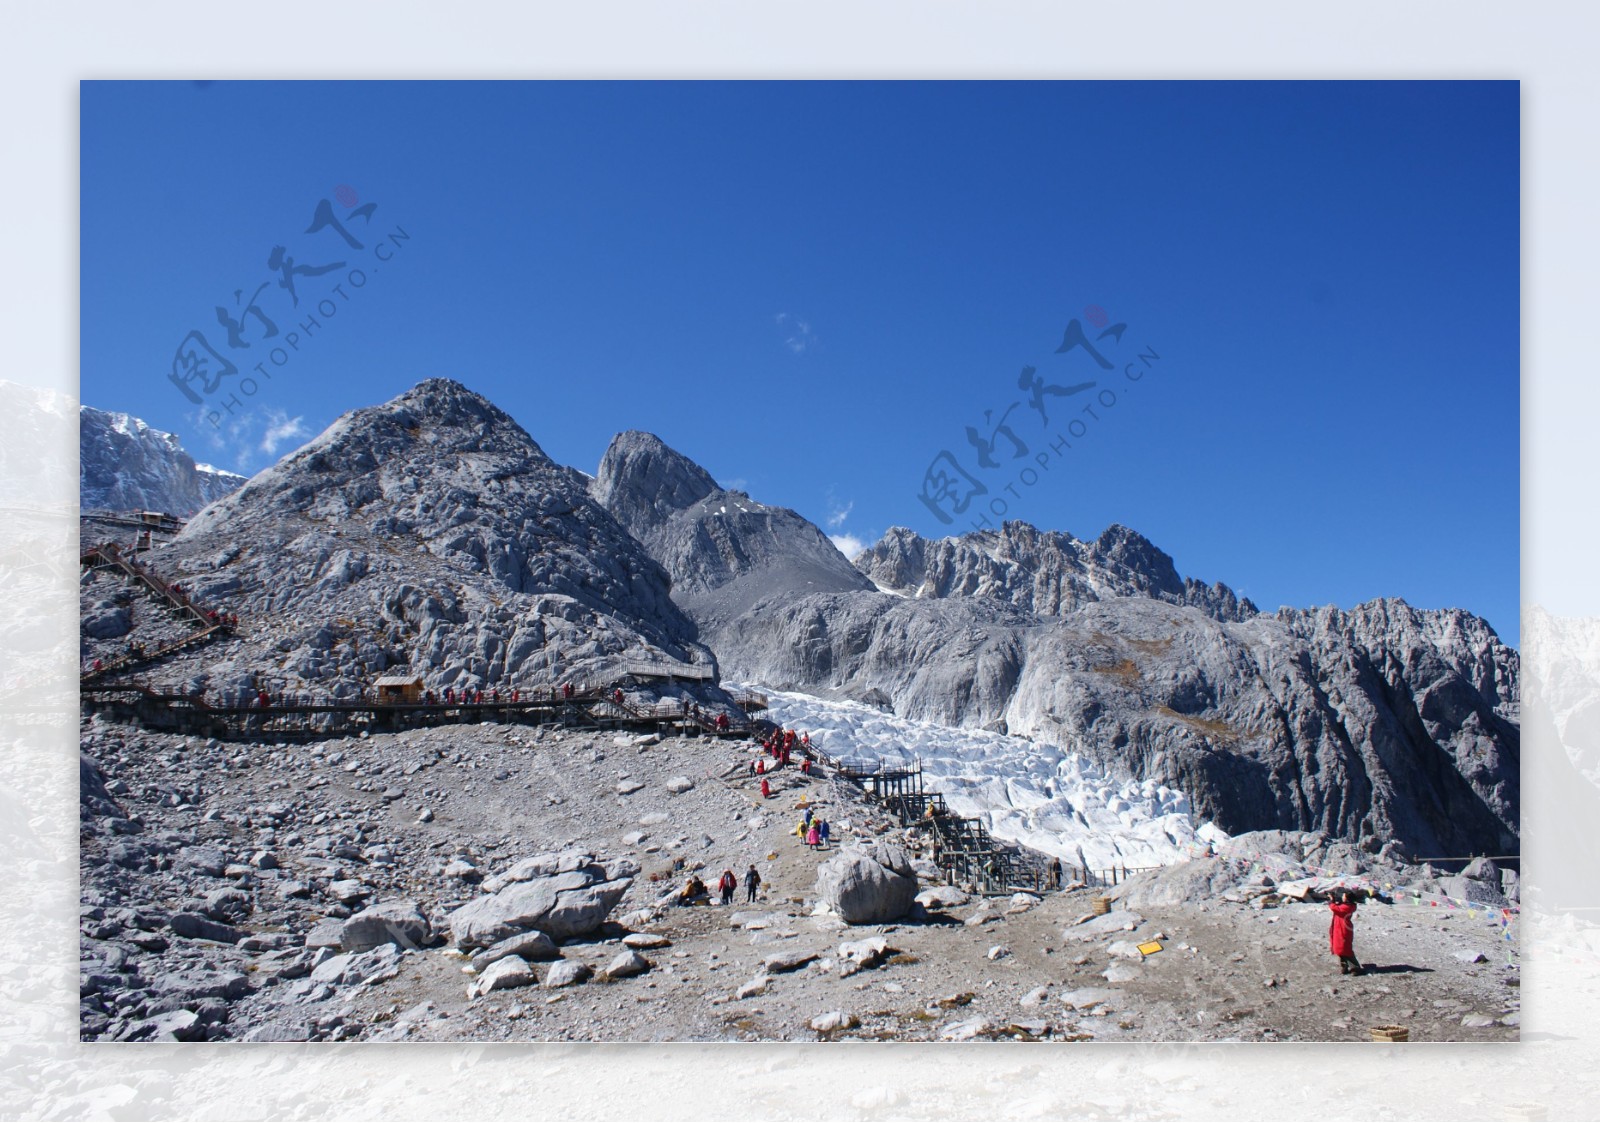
[782, 961]
[359, 968]
[195, 927]
[834, 1021]
[565, 973]
[349, 891]
[942, 897]
[503, 974]
[967, 1030]
[646, 940]
[626, 965]
[680, 784]
[389, 922]
[534, 945]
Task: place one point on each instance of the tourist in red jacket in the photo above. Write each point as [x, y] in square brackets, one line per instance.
[1342, 932]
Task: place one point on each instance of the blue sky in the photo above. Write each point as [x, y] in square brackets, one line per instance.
[814, 289]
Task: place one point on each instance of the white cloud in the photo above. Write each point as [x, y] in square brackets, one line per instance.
[838, 514]
[281, 427]
[797, 333]
[849, 545]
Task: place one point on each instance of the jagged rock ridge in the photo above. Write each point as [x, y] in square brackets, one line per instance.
[1042, 571]
[126, 465]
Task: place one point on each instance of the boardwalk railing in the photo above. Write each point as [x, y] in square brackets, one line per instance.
[303, 717]
[963, 847]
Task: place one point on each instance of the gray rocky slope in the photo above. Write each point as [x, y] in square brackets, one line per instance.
[431, 534]
[1383, 723]
[126, 465]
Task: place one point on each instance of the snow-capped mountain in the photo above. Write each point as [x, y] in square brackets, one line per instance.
[126, 465]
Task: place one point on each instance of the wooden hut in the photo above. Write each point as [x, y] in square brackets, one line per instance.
[399, 688]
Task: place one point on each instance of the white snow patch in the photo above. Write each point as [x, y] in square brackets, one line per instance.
[1054, 800]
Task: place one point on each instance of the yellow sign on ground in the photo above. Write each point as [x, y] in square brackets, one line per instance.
[1150, 948]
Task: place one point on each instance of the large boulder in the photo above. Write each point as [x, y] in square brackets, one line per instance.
[870, 884]
[388, 922]
[560, 895]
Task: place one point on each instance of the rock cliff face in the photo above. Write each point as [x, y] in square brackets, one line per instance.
[1371, 725]
[125, 465]
[1381, 723]
[1042, 571]
[429, 533]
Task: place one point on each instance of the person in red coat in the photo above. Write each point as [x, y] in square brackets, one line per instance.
[766, 790]
[1342, 932]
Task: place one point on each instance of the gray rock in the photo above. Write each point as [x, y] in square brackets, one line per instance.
[834, 1021]
[388, 922]
[565, 973]
[280, 1031]
[646, 940]
[359, 968]
[503, 974]
[562, 905]
[176, 1025]
[864, 953]
[969, 1028]
[204, 859]
[792, 960]
[533, 946]
[186, 987]
[942, 897]
[869, 884]
[1087, 998]
[229, 906]
[326, 934]
[626, 965]
[680, 784]
[349, 891]
[462, 870]
[192, 926]
[754, 987]
[1117, 920]
[1473, 890]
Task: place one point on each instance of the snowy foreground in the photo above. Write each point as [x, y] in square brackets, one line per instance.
[1055, 801]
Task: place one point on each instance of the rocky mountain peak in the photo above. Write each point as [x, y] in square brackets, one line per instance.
[433, 532]
[644, 482]
[1043, 571]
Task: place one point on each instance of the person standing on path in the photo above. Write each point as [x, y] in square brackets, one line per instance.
[813, 836]
[752, 882]
[727, 883]
[822, 832]
[766, 788]
[1342, 932]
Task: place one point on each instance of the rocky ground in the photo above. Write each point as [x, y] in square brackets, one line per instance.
[230, 891]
